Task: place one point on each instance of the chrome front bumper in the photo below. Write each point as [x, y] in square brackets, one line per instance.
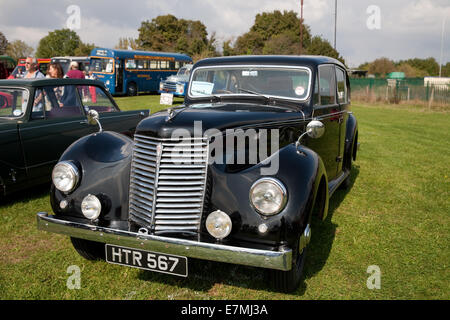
[280, 260]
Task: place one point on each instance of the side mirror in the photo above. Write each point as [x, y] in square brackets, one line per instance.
[93, 119]
[315, 129]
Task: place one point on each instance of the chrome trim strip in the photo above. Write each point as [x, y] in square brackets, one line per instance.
[279, 260]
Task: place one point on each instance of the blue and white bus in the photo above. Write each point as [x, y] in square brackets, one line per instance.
[129, 72]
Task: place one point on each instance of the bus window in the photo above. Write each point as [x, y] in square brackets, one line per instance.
[102, 65]
[130, 64]
[141, 64]
[164, 64]
[154, 64]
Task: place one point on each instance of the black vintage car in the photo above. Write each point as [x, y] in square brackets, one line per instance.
[234, 175]
[40, 118]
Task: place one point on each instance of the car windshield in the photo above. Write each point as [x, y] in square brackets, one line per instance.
[65, 64]
[18, 72]
[283, 82]
[104, 65]
[184, 71]
[13, 102]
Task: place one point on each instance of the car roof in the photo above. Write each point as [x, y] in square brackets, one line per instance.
[302, 60]
[48, 82]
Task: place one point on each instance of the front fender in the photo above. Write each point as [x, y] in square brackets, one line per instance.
[300, 172]
[104, 160]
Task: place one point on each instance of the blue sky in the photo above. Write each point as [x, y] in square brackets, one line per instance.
[407, 28]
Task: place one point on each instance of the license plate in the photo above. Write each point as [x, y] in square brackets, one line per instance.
[147, 260]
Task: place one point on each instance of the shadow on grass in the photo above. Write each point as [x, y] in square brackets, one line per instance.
[25, 195]
[204, 275]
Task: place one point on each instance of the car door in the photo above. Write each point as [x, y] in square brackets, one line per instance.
[326, 109]
[57, 120]
[12, 165]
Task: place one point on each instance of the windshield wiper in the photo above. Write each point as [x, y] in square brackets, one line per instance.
[269, 100]
[255, 93]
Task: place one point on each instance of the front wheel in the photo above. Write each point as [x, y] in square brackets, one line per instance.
[132, 89]
[288, 281]
[89, 250]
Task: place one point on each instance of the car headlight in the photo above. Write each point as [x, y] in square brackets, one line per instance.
[180, 88]
[65, 176]
[268, 196]
[91, 207]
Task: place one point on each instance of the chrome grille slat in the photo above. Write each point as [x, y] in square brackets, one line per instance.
[176, 188]
[180, 194]
[178, 216]
[168, 180]
[179, 183]
[178, 211]
[176, 228]
[176, 199]
[176, 222]
[143, 183]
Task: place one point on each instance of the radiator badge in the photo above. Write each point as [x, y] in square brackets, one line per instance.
[159, 150]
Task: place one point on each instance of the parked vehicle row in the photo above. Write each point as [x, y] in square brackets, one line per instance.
[122, 71]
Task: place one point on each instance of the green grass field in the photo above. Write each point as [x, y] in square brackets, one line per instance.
[394, 216]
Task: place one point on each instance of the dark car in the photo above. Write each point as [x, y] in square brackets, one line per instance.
[235, 175]
[39, 119]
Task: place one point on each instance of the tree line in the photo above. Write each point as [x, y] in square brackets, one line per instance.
[413, 68]
[271, 33]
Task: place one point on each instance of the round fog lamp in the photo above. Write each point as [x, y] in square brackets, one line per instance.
[218, 224]
[91, 207]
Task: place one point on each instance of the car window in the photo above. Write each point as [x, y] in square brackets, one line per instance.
[13, 102]
[341, 86]
[56, 102]
[316, 92]
[93, 97]
[327, 85]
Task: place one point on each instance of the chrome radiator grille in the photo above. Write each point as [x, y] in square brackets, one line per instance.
[167, 183]
[171, 86]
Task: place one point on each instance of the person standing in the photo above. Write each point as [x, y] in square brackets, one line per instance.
[55, 71]
[32, 71]
[74, 73]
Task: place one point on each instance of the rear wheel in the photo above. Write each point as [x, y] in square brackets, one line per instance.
[89, 250]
